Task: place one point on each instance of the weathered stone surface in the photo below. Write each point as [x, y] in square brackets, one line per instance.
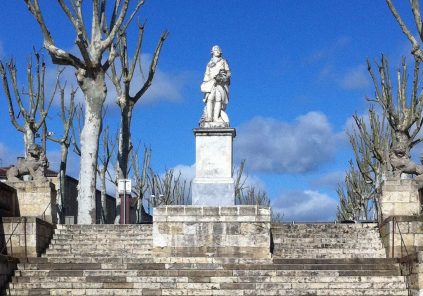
[239, 231]
[117, 260]
[213, 184]
[26, 236]
[399, 198]
[36, 198]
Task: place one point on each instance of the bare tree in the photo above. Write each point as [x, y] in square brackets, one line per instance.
[403, 113]
[125, 100]
[416, 50]
[66, 115]
[90, 74]
[170, 189]
[370, 140]
[108, 150]
[356, 196]
[33, 113]
[248, 195]
[140, 172]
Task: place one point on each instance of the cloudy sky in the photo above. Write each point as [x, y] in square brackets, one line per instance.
[298, 74]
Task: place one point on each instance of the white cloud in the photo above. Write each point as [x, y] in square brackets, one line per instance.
[269, 145]
[330, 180]
[165, 86]
[330, 51]
[304, 206]
[356, 78]
[187, 171]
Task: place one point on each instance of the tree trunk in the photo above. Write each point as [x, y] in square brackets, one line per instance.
[124, 149]
[62, 176]
[95, 93]
[104, 217]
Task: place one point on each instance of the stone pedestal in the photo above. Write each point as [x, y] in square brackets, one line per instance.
[213, 184]
[198, 231]
[399, 198]
[36, 199]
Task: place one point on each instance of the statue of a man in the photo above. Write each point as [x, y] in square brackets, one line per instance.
[215, 87]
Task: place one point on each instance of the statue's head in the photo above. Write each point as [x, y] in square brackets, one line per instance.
[35, 151]
[216, 51]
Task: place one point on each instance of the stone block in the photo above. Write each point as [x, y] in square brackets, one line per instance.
[26, 234]
[35, 199]
[207, 232]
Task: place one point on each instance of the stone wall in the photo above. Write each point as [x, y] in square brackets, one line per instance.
[402, 235]
[191, 231]
[399, 197]
[26, 234]
[7, 266]
[36, 199]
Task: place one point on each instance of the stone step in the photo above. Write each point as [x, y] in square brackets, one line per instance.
[373, 246]
[259, 291]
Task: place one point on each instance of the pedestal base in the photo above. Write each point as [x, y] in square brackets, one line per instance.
[195, 231]
[36, 199]
[213, 192]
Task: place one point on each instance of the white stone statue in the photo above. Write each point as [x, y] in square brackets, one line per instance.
[215, 87]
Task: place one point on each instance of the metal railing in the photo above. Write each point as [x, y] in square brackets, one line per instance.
[395, 224]
[406, 261]
[9, 240]
[43, 215]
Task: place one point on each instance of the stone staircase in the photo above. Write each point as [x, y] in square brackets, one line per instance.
[360, 240]
[117, 260]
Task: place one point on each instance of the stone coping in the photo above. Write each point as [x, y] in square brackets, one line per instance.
[240, 210]
[223, 131]
[402, 219]
[29, 219]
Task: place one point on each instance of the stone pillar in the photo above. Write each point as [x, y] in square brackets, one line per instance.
[213, 184]
[36, 199]
[399, 197]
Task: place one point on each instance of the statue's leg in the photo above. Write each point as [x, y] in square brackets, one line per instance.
[217, 106]
[209, 107]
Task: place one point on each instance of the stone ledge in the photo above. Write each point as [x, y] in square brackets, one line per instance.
[234, 211]
[224, 131]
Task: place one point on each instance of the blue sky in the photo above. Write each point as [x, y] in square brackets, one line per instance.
[298, 74]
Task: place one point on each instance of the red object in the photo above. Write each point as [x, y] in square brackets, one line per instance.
[125, 207]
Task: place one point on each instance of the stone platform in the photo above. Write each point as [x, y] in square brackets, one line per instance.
[198, 231]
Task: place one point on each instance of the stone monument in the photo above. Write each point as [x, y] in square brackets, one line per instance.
[213, 184]
[213, 225]
[36, 195]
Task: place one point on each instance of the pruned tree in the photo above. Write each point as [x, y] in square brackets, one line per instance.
[97, 53]
[356, 196]
[403, 113]
[416, 50]
[140, 174]
[127, 97]
[108, 150]
[248, 195]
[66, 116]
[370, 140]
[169, 189]
[33, 112]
